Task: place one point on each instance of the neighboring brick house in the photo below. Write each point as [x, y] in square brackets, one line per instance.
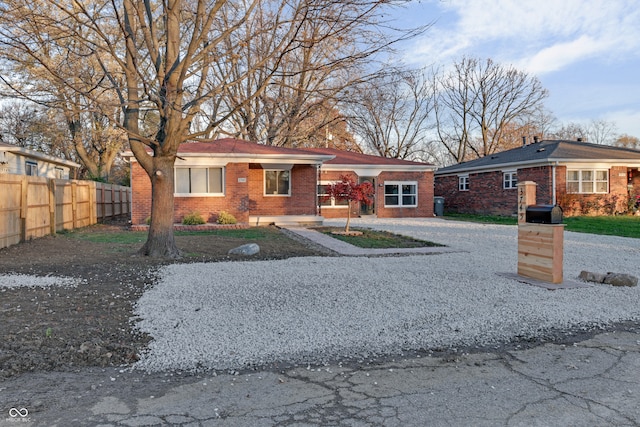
[23, 161]
[261, 184]
[580, 177]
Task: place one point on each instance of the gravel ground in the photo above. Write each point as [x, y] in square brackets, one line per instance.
[238, 315]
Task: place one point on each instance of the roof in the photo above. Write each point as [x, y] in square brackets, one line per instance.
[37, 155]
[548, 152]
[250, 151]
[352, 158]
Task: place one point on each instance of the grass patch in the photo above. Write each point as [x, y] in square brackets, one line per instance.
[253, 233]
[373, 239]
[623, 225]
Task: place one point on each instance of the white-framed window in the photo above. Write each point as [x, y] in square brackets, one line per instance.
[400, 194]
[510, 180]
[277, 182]
[588, 181]
[463, 183]
[199, 180]
[59, 173]
[329, 202]
[31, 168]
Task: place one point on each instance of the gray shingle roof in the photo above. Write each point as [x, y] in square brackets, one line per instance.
[545, 152]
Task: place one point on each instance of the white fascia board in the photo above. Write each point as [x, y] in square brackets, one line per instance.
[223, 159]
[376, 169]
[42, 156]
[548, 162]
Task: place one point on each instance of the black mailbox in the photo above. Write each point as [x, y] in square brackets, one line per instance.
[544, 214]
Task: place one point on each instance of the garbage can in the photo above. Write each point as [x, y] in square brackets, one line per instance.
[438, 206]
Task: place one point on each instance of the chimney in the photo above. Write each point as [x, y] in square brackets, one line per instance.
[535, 139]
[524, 141]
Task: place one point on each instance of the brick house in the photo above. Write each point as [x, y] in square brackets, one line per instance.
[261, 184]
[580, 177]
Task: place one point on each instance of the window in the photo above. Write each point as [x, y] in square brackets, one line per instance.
[200, 180]
[325, 201]
[59, 173]
[463, 183]
[510, 180]
[401, 194]
[588, 181]
[31, 168]
[277, 182]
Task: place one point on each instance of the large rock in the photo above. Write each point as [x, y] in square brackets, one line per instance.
[619, 279]
[613, 279]
[246, 250]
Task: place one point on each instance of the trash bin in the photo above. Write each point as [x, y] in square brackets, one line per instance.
[438, 206]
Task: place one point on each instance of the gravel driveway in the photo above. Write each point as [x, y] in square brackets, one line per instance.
[235, 315]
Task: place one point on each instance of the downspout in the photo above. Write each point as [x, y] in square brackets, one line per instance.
[318, 211]
[553, 184]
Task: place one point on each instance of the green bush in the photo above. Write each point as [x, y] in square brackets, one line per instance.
[226, 218]
[193, 218]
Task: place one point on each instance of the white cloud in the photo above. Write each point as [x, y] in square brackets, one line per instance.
[539, 36]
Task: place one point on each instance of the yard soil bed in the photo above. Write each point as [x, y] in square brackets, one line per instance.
[59, 328]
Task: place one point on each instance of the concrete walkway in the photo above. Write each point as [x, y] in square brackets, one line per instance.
[343, 248]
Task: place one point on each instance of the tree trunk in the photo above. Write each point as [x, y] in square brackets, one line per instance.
[160, 241]
[346, 227]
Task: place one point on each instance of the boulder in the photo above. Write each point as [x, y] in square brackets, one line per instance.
[246, 250]
[613, 279]
[588, 276]
[619, 279]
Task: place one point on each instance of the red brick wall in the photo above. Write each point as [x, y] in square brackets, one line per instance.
[425, 195]
[140, 194]
[302, 200]
[595, 204]
[486, 195]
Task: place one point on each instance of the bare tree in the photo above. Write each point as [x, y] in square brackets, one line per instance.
[157, 59]
[477, 103]
[628, 141]
[391, 113]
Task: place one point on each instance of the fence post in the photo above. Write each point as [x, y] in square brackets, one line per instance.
[52, 205]
[74, 205]
[23, 208]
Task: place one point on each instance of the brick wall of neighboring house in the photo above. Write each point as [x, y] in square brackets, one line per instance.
[487, 196]
[425, 195]
[616, 201]
[302, 200]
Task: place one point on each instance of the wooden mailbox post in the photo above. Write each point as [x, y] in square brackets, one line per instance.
[540, 246]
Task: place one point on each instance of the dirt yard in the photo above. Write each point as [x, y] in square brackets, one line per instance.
[59, 328]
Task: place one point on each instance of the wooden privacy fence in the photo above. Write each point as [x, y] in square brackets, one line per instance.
[32, 206]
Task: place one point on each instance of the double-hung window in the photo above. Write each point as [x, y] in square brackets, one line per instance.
[463, 183]
[31, 168]
[509, 180]
[277, 182]
[588, 181]
[199, 180]
[401, 194]
[325, 201]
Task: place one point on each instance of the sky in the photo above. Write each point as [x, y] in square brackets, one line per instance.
[586, 53]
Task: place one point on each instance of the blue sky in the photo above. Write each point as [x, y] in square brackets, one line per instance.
[585, 52]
